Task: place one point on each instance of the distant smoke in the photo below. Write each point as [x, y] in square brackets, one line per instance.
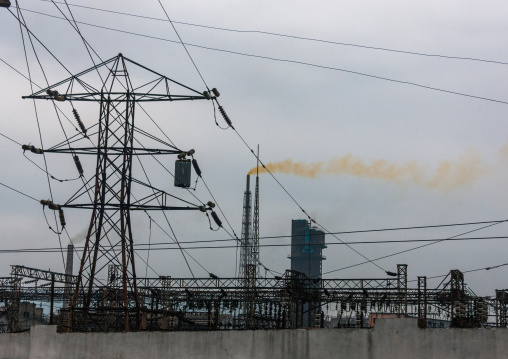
[80, 237]
[447, 175]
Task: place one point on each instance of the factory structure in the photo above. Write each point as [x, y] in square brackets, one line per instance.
[307, 244]
[106, 294]
[297, 299]
[104, 305]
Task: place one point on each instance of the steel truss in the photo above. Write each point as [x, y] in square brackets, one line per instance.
[274, 303]
[107, 295]
[109, 193]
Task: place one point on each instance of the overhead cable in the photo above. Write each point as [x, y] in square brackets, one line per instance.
[153, 246]
[403, 82]
[466, 271]
[415, 248]
[10, 139]
[407, 52]
[183, 44]
[295, 201]
[22, 25]
[15, 190]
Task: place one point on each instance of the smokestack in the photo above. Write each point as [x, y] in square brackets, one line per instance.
[255, 223]
[247, 206]
[68, 272]
[246, 230]
[70, 258]
[247, 209]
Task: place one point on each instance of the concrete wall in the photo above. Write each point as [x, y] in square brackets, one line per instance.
[391, 339]
[15, 346]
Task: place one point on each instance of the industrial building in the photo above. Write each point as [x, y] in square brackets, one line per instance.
[307, 244]
[106, 294]
[29, 314]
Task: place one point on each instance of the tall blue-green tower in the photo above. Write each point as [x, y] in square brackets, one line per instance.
[307, 244]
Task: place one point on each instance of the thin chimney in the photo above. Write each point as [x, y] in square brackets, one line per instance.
[68, 272]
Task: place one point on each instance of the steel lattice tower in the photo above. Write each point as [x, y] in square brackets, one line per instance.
[108, 194]
[245, 258]
[255, 225]
[249, 254]
[249, 251]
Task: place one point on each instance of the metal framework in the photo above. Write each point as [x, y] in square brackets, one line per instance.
[245, 249]
[458, 302]
[254, 249]
[501, 307]
[107, 295]
[402, 286]
[422, 302]
[278, 303]
[109, 193]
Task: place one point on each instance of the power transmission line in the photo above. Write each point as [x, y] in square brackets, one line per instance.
[15, 190]
[22, 25]
[342, 232]
[183, 44]
[150, 246]
[88, 45]
[10, 139]
[270, 33]
[467, 271]
[415, 248]
[392, 241]
[350, 72]
[296, 62]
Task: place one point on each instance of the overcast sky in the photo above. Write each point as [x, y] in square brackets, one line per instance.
[391, 154]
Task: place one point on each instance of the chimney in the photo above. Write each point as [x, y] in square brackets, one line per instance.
[68, 272]
[70, 257]
[246, 231]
